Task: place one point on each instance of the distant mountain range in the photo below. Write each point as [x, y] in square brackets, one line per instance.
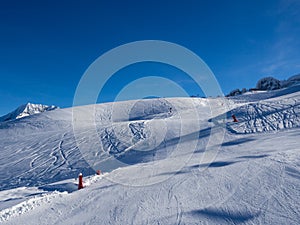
[268, 84]
[27, 110]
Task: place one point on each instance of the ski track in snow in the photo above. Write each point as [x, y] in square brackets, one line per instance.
[267, 115]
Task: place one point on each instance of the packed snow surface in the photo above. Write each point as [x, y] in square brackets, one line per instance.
[163, 161]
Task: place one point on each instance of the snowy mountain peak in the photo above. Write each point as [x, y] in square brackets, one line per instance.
[27, 110]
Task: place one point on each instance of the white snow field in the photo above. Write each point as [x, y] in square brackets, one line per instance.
[184, 165]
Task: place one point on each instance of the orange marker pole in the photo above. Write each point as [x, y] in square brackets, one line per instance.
[80, 183]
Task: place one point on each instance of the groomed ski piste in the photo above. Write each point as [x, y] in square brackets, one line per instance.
[161, 163]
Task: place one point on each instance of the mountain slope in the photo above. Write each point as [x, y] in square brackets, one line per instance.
[43, 148]
[281, 110]
[165, 166]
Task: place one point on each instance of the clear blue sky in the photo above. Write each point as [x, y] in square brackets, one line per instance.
[45, 46]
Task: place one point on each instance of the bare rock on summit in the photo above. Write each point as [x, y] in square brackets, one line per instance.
[268, 83]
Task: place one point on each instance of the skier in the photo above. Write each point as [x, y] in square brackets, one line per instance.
[234, 118]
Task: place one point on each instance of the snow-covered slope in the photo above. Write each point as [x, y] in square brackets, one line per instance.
[274, 111]
[138, 131]
[164, 165]
[26, 110]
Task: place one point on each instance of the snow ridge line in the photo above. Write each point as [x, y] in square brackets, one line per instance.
[29, 205]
